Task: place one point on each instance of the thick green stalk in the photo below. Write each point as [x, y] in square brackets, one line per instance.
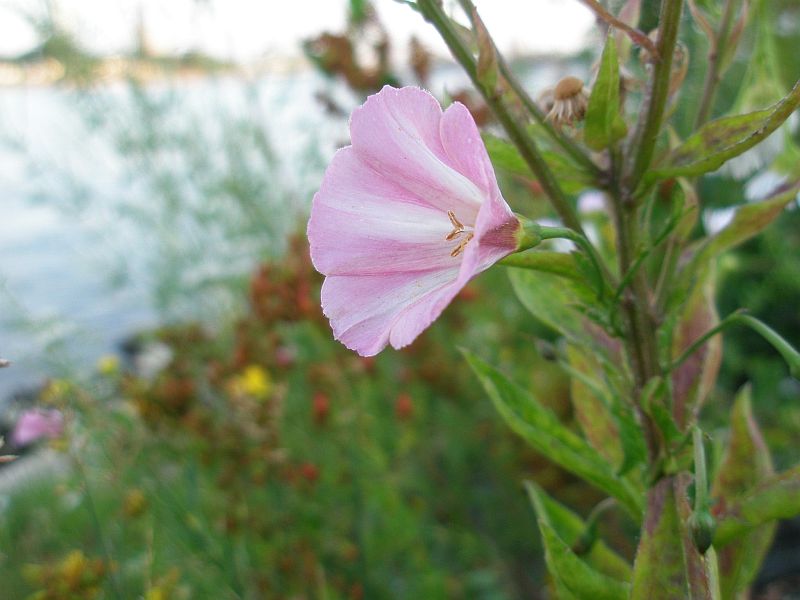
[640, 150]
[516, 131]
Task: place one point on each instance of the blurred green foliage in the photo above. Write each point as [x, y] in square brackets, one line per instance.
[267, 461]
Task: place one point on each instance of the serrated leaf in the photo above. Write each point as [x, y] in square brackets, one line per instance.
[776, 497]
[746, 463]
[604, 125]
[568, 526]
[723, 139]
[543, 431]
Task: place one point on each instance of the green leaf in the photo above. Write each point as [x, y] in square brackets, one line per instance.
[606, 420]
[590, 406]
[746, 463]
[574, 574]
[568, 527]
[628, 14]
[604, 124]
[658, 571]
[695, 378]
[748, 221]
[723, 139]
[551, 299]
[776, 497]
[505, 157]
[544, 432]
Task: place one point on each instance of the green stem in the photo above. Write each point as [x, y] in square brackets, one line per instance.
[580, 240]
[700, 476]
[431, 10]
[714, 71]
[642, 146]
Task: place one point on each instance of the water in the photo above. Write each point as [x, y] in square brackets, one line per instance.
[77, 272]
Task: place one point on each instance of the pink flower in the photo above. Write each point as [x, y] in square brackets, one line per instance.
[405, 217]
[35, 424]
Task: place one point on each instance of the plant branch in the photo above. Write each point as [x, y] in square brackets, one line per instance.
[714, 72]
[642, 146]
[637, 37]
[516, 132]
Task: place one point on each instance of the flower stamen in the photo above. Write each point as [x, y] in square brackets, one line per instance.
[458, 227]
[462, 244]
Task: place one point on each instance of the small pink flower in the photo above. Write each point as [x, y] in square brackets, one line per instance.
[35, 424]
[405, 217]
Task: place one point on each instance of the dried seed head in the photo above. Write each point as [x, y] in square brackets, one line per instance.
[567, 88]
[570, 100]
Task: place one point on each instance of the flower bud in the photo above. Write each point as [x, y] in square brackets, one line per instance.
[702, 526]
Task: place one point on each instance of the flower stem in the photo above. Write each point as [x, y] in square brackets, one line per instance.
[431, 10]
[642, 146]
[700, 476]
[580, 240]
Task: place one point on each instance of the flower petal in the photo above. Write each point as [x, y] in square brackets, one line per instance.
[362, 223]
[397, 132]
[465, 149]
[364, 310]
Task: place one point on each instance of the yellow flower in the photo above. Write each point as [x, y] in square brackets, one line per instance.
[255, 382]
[108, 364]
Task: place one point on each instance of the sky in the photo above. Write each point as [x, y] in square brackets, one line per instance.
[247, 30]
